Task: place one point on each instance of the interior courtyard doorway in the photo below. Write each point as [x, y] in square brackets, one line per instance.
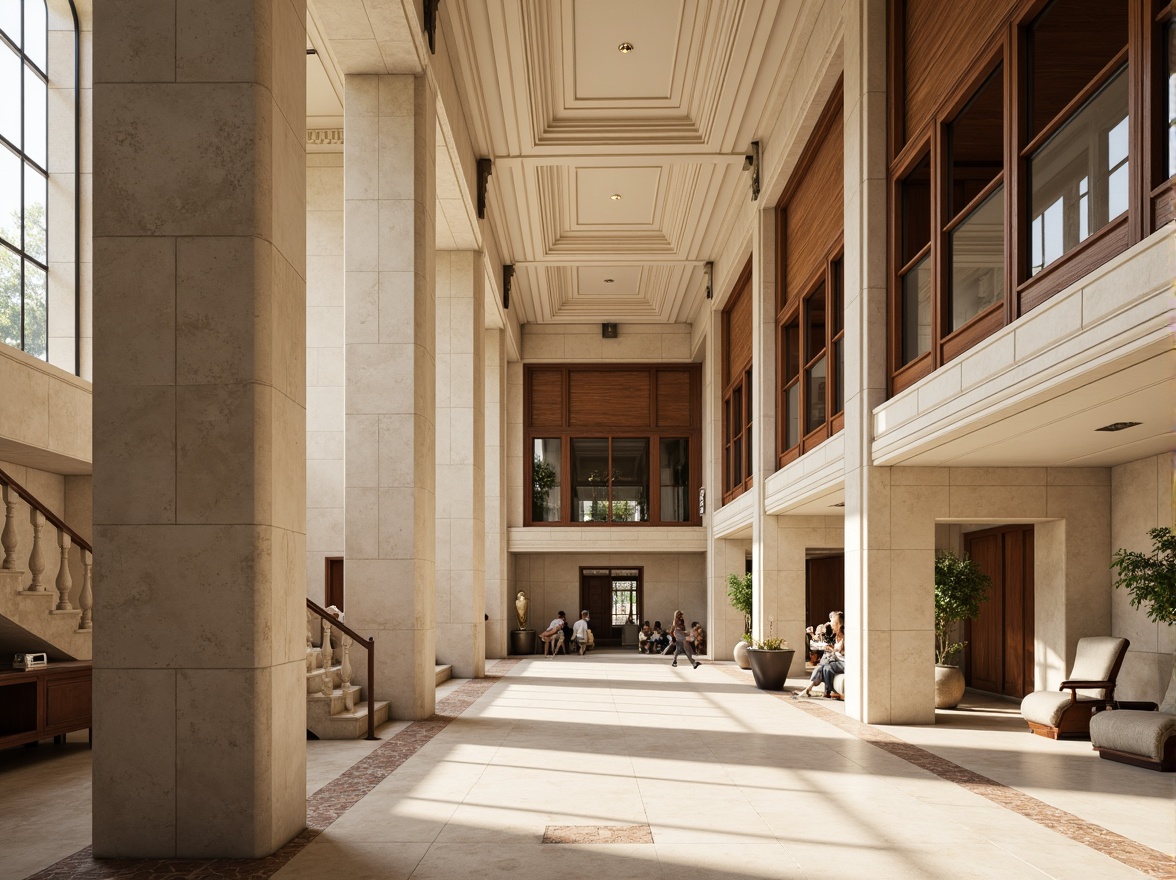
[613, 599]
[999, 658]
[333, 589]
[824, 584]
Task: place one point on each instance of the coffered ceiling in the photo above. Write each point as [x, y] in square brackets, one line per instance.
[618, 130]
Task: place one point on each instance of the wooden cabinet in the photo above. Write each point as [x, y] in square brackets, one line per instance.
[47, 702]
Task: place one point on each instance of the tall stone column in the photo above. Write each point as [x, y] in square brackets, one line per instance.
[499, 608]
[887, 652]
[389, 191]
[461, 455]
[765, 565]
[199, 427]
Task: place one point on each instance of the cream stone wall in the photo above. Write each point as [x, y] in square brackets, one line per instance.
[1141, 499]
[671, 582]
[578, 343]
[325, 368]
[45, 414]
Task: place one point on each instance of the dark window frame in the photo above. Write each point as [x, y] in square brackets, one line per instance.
[737, 408]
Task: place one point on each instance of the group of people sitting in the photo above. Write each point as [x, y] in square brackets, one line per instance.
[560, 637]
[827, 640]
[655, 640]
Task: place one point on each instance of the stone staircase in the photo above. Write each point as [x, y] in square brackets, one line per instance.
[335, 708]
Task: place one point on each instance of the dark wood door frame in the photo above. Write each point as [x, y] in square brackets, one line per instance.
[333, 583]
[600, 619]
[999, 657]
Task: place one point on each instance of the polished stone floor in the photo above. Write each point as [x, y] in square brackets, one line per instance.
[641, 771]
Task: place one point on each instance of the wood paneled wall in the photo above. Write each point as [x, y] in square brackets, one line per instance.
[737, 329]
[613, 398]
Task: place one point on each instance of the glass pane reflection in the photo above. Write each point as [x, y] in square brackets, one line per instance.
[977, 261]
[546, 471]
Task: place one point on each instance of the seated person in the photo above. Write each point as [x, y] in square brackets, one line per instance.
[580, 633]
[643, 637]
[660, 640]
[819, 636]
[833, 659]
[553, 636]
[699, 636]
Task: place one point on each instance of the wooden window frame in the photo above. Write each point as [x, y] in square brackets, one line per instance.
[654, 433]
[1150, 190]
[737, 388]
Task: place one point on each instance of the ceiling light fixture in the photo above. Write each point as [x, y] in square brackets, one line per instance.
[625, 48]
[609, 280]
[616, 197]
[1118, 426]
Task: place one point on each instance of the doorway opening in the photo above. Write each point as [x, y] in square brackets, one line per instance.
[999, 657]
[333, 589]
[613, 599]
[824, 585]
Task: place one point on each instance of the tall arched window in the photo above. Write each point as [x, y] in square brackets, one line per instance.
[24, 177]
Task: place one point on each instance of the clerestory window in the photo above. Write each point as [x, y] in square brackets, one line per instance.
[24, 176]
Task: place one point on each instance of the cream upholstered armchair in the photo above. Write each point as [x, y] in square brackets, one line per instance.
[1089, 689]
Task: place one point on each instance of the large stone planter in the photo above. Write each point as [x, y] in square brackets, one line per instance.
[949, 686]
[770, 668]
[740, 654]
[522, 642]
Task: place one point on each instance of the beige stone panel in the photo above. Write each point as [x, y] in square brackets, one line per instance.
[990, 358]
[325, 444]
[912, 599]
[363, 525]
[913, 510]
[381, 379]
[225, 756]
[69, 414]
[875, 656]
[919, 476]
[324, 410]
[287, 332]
[26, 392]
[996, 476]
[287, 464]
[394, 290]
[326, 530]
[160, 572]
[227, 188]
[406, 674]
[361, 236]
[332, 366]
[134, 772]
[136, 333]
[224, 308]
[324, 280]
[213, 487]
[288, 191]
[396, 96]
[135, 42]
[324, 181]
[1144, 675]
[135, 455]
[1078, 476]
[324, 232]
[1051, 664]
[289, 70]
[1048, 325]
[224, 42]
[994, 502]
[912, 693]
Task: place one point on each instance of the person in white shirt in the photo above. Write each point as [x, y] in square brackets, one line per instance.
[580, 632]
[553, 636]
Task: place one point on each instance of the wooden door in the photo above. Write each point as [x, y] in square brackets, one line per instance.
[334, 586]
[596, 599]
[1000, 640]
[824, 587]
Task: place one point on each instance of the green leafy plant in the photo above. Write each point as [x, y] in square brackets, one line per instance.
[960, 587]
[1150, 580]
[739, 592]
[543, 480]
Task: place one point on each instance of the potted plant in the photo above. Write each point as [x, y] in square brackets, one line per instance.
[739, 592]
[960, 587]
[771, 659]
[1151, 581]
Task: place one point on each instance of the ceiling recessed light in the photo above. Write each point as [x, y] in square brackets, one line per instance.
[609, 280]
[616, 197]
[838, 504]
[625, 48]
[1118, 426]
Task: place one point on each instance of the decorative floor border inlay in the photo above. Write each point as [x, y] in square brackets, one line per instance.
[1123, 849]
[322, 808]
[598, 834]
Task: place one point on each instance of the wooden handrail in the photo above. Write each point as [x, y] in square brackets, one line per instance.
[31, 500]
[369, 643]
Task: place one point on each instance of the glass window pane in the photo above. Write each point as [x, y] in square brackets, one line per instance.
[34, 116]
[590, 477]
[976, 140]
[34, 214]
[814, 321]
[1172, 100]
[916, 311]
[10, 206]
[792, 416]
[675, 479]
[10, 21]
[546, 471]
[791, 351]
[815, 407]
[624, 602]
[977, 261]
[36, 311]
[838, 374]
[9, 297]
[916, 210]
[836, 300]
[1079, 176]
[10, 68]
[630, 480]
[35, 33]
